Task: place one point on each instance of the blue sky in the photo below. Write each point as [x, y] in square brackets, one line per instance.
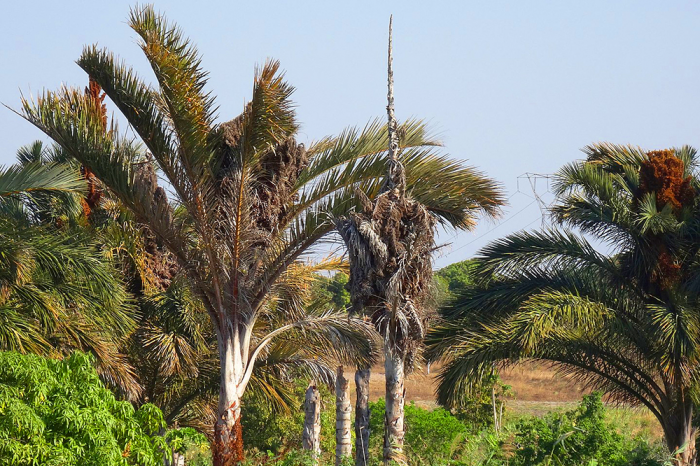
[511, 87]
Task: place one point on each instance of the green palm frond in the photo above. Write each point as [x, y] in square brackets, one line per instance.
[38, 177]
[177, 67]
[624, 321]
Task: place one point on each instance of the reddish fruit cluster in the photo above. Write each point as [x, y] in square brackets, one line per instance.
[98, 97]
[94, 194]
[668, 271]
[663, 174]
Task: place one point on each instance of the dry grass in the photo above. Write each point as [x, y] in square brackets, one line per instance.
[529, 383]
[537, 390]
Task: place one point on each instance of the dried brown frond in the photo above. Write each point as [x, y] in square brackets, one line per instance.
[390, 267]
[274, 185]
[668, 271]
[160, 266]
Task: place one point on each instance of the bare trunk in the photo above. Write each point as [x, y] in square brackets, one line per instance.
[395, 397]
[343, 413]
[227, 449]
[680, 435]
[500, 416]
[178, 459]
[493, 404]
[362, 417]
[311, 437]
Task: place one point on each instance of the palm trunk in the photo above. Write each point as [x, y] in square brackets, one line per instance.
[228, 432]
[311, 438]
[395, 398]
[362, 417]
[178, 459]
[343, 413]
[681, 435]
[495, 412]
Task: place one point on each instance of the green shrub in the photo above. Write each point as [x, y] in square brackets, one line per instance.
[59, 413]
[267, 430]
[190, 443]
[432, 436]
[588, 435]
[581, 436]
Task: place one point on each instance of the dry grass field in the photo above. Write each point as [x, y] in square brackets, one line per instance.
[529, 383]
[537, 389]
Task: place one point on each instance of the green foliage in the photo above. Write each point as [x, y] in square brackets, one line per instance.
[61, 291]
[475, 409]
[581, 436]
[190, 443]
[457, 277]
[338, 288]
[431, 435]
[268, 429]
[59, 413]
[332, 291]
[589, 435]
[295, 458]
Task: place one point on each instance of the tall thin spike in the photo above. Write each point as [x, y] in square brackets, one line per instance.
[393, 138]
[395, 176]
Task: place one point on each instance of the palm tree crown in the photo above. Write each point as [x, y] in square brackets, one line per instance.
[244, 201]
[625, 320]
[58, 294]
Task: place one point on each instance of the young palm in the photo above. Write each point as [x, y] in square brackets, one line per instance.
[625, 321]
[390, 244]
[58, 294]
[246, 201]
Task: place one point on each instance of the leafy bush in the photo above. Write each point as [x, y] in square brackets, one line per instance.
[587, 435]
[269, 430]
[455, 278]
[60, 413]
[581, 436]
[432, 436]
[476, 409]
[190, 443]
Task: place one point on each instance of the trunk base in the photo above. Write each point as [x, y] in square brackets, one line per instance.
[362, 414]
[227, 449]
[394, 416]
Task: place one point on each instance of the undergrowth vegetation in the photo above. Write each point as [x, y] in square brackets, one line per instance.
[59, 413]
[589, 434]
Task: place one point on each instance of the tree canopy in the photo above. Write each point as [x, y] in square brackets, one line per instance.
[56, 412]
[625, 321]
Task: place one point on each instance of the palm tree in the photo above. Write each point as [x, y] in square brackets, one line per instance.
[174, 350]
[625, 321]
[171, 353]
[343, 414]
[390, 243]
[58, 294]
[244, 201]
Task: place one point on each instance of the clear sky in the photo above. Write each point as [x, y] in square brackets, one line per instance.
[511, 87]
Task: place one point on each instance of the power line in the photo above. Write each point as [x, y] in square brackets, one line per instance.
[458, 232]
[500, 224]
[532, 179]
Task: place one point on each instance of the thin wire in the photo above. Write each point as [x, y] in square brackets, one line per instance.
[502, 223]
[458, 232]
